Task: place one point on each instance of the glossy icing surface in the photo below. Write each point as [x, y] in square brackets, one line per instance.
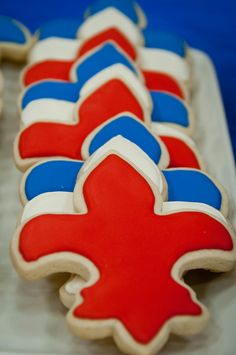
[55, 175]
[157, 81]
[169, 109]
[181, 153]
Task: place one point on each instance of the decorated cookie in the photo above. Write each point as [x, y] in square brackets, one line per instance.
[101, 57]
[60, 176]
[165, 40]
[66, 140]
[137, 307]
[183, 152]
[15, 39]
[128, 8]
[55, 100]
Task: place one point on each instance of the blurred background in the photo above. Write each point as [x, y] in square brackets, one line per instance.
[205, 24]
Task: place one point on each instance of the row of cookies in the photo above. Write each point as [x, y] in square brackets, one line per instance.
[48, 78]
[114, 190]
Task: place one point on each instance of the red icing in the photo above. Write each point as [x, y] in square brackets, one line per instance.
[163, 82]
[49, 69]
[133, 248]
[181, 155]
[57, 139]
[113, 35]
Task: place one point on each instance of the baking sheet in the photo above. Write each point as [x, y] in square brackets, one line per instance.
[32, 319]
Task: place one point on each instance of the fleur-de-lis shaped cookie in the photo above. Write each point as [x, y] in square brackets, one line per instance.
[129, 249]
[45, 139]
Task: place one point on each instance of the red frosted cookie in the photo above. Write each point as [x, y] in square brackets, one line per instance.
[46, 139]
[132, 252]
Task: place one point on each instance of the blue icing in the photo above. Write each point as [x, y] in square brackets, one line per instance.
[10, 31]
[183, 185]
[51, 90]
[169, 109]
[124, 6]
[55, 175]
[130, 129]
[65, 28]
[192, 186]
[164, 40]
[104, 57]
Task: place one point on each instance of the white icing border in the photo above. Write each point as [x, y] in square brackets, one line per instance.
[154, 59]
[58, 202]
[54, 48]
[48, 110]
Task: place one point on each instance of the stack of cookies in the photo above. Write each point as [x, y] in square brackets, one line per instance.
[114, 190]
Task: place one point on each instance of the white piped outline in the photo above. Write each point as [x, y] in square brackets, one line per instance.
[156, 59]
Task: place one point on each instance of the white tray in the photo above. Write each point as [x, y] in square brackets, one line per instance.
[32, 319]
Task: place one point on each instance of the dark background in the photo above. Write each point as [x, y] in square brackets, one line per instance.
[205, 24]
